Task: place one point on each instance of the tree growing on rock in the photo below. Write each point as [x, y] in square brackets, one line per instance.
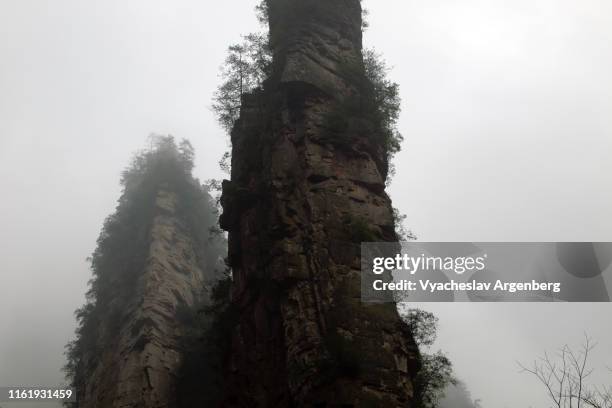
[246, 67]
[436, 372]
[386, 98]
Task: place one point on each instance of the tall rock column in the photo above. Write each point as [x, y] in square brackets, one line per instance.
[138, 367]
[297, 207]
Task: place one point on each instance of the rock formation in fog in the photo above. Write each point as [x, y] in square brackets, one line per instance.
[139, 368]
[307, 186]
[458, 396]
[153, 264]
[310, 158]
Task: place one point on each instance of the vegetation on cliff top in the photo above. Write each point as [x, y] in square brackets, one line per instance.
[371, 113]
[247, 65]
[123, 244]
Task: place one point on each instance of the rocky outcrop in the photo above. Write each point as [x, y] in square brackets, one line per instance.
[138, 367]
[296, 208]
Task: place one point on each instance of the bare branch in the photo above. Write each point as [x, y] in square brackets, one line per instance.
[565, 375]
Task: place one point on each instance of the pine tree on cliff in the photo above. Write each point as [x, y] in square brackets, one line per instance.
[311, 146]
[155, 257]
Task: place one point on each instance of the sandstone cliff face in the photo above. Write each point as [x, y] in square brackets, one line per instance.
[296, 208]
[139, 366]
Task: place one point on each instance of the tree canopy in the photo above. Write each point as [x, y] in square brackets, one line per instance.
[246, 67]
[436, 373]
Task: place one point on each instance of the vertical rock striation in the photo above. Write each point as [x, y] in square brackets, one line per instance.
[138, 367]
[298, 204]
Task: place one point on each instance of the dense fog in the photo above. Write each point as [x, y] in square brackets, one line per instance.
[507, 138]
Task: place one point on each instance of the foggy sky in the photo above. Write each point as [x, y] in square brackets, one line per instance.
[506, 113]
